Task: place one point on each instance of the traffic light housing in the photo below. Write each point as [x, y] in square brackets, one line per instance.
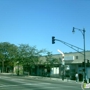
[53, 40]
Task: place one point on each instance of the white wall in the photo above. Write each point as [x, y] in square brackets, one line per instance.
[55, 70]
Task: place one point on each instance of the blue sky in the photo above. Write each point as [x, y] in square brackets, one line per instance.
[34, 22]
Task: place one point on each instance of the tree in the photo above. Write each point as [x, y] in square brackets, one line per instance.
[50, 62]
[7, 54]
[28, 56]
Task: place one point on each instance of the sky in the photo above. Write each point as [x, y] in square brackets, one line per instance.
[34, 22]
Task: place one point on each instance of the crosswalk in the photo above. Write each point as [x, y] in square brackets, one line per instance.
[14, 83]
[23, 82]
[5, 85]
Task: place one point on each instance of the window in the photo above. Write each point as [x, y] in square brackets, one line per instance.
[76, 57]
[80, 65]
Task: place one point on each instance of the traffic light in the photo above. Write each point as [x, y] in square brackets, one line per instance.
[53, 39]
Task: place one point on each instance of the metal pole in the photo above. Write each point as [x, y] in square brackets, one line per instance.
[84, 56]
[83, 33]
[63, 72]
[63, 66]
[18, 68]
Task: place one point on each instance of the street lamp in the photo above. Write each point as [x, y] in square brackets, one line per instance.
[83, 33]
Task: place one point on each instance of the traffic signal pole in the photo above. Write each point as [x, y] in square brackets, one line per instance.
[67, 44]
[75, 48]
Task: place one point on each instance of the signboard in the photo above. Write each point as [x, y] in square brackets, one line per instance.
[67, 67]
[66, 58]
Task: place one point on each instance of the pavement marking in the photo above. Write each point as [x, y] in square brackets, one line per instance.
[44, 83]
[22, 81]
[29, 84]
[82, 86]
[8, 85]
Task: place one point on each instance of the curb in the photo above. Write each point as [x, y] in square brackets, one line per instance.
[56, 79]
[43, 78]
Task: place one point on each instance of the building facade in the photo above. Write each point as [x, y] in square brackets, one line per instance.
[73, 62]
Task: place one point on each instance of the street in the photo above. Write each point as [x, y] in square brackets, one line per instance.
[18, 83]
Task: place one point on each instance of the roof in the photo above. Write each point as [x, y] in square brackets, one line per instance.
[79, 59]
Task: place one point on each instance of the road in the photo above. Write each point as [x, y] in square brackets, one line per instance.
[20, 83]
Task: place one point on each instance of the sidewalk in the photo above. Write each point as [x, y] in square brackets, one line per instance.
[40, 77]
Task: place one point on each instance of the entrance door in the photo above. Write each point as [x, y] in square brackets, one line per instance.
[80, 77]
